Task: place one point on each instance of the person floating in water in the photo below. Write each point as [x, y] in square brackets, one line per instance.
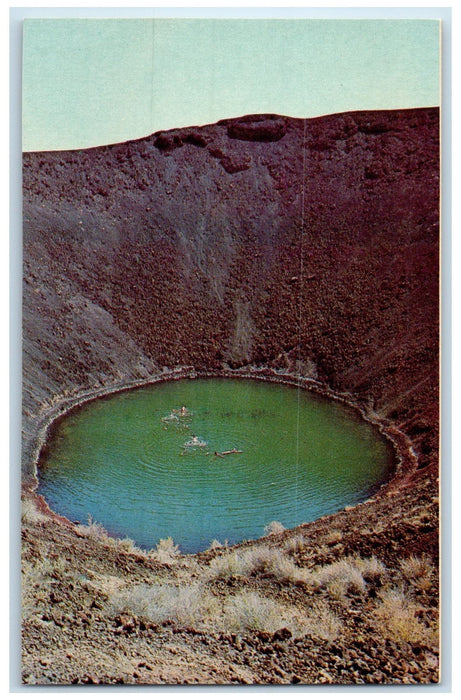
[195, 442]
[183, 411]
[172, 417]
[228, 452]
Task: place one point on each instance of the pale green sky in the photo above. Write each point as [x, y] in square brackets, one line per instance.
[91, 81]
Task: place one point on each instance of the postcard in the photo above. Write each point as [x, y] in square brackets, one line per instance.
[231, 345]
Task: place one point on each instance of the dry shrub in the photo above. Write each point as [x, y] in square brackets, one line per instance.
[274, 528]
[194, 606]
[30, 513]
[128, 545]
[268, 560]
[226, 566]
[323, 623]
[418, 571]
[295, 544]
[250, 611]
[262, 559]
[167, 545]
[396, 616]
[371, 569]
[166, 550]
[340, 577]
[94, 531]
[97, 532]
[187, 605]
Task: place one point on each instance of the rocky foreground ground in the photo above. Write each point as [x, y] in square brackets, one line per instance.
[264, 245]
[352, 598]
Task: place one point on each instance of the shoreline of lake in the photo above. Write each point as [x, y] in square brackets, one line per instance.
[405, 459]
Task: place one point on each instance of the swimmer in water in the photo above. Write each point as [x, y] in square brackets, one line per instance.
[172, 416]
[183, 411]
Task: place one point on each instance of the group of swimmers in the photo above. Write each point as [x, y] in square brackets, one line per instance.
[180, 413]
[176, 414]
[183, 412]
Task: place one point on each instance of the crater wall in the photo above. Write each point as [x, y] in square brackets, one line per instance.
[305, 246]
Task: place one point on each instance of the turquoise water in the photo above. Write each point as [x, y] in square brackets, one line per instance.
[125, 461]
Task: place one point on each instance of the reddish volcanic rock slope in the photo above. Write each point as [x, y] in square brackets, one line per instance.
[308, 246]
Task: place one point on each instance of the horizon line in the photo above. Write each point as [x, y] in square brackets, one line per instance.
[223, 119]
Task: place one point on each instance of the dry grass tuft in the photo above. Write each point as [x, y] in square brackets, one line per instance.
[418, 571]
[250, 611]
[215, 544]
[195, 606]
[166, 550]
[186, 605]
[258, 560]
[167, 545]
[340, 577]
[295, 544]
[371, 569]
[267, 560]
[323, 623]
[128, 545]
[274, 528]
[226, 566]
[396, 616]
[94, 531]
[30, 513]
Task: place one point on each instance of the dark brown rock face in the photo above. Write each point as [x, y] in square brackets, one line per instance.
[304, 245]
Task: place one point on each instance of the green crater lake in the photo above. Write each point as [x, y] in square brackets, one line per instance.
[130, 461]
